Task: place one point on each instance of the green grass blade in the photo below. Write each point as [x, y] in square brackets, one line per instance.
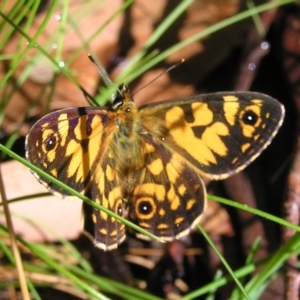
[76, 194]
[255, 211]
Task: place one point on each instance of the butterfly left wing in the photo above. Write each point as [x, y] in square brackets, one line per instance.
[72, 145]
[105, 231]
[69, 144]
[219, 133]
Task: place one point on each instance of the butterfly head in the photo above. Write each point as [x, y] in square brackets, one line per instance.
[121, 96]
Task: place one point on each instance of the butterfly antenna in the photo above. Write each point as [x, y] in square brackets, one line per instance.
[103, 72]
[161, 74]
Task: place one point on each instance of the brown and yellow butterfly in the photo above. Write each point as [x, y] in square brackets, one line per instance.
[146, 162]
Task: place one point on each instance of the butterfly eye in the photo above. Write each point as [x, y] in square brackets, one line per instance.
[250, 118]
[50, 143]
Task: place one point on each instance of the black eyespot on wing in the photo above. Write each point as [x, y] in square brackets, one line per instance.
[250, 118]
[145, 208]
[120, 210]
[50, 143]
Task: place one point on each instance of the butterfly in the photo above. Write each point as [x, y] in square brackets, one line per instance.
[147, 163]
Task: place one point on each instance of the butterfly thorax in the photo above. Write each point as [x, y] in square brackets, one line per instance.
[127, 150]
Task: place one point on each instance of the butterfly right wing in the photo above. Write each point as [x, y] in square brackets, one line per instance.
[219, 133]
[72, 145]
[167, 196]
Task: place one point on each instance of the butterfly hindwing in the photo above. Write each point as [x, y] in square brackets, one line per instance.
[168, 196]
[105, 231]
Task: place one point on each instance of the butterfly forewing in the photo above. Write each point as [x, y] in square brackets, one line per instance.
[69, 144]
[220, 133]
